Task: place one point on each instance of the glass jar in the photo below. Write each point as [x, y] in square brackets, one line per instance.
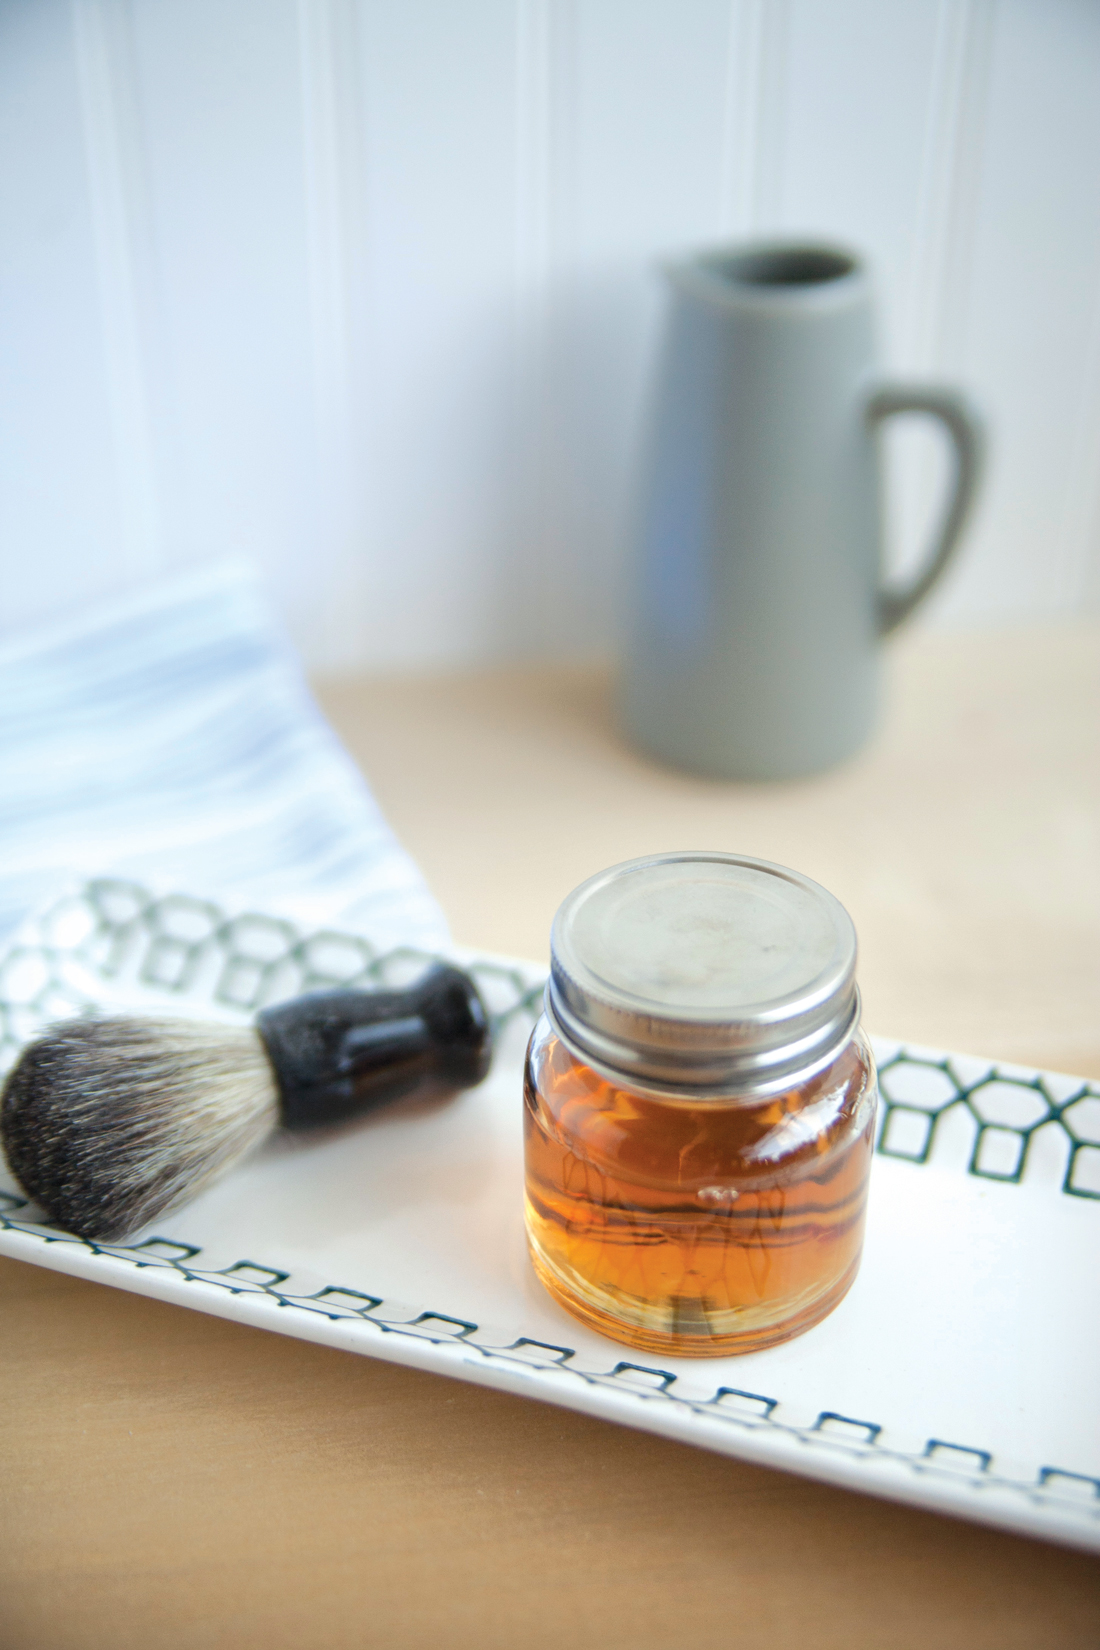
[699, 1105]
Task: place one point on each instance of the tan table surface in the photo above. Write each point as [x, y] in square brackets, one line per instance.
[176, 1482]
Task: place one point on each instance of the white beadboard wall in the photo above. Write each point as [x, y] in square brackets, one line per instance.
[362, 290]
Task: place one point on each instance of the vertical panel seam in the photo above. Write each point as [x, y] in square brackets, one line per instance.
[533, 159]
[754, 116]
[771, 115]
[740, 121]
[953, 165]
[114, 155]
[933, 329]
[933, 195]
[545, 48]
[1081, 517]
[331, 129]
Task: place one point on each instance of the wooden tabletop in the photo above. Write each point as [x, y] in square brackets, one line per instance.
[174, 1482]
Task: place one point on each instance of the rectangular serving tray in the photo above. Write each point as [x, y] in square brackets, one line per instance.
[960, 1373]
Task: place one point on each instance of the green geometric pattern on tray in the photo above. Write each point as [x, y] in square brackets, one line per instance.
[734, 1406]
[175, 943]
[178, 944]
[1006, 1112]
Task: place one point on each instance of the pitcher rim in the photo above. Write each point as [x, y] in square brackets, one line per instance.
[709, 272]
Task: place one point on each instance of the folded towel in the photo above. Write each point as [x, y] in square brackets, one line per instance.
[171, 737]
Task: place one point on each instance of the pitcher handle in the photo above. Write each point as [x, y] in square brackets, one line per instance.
[967, 432]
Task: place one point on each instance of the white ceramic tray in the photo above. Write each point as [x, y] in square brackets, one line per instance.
[960, 1373]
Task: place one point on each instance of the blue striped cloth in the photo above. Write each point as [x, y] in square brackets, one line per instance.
[171, 737]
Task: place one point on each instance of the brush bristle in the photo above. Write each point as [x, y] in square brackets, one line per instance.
[108, 1124]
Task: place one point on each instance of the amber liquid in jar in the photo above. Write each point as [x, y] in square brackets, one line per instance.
[696, 1227]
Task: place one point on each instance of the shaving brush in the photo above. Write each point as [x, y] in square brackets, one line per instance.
[108, 1124]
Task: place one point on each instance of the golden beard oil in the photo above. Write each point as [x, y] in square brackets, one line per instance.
[701, 1228]
[665, 1207]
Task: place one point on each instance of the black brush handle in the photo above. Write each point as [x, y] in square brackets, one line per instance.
[339, 1053]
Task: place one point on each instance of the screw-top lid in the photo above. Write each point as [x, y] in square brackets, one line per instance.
[703, 974]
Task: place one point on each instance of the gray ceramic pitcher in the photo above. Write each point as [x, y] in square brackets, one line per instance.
[756, 604]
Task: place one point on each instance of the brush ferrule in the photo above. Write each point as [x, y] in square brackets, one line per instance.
[337, 1054]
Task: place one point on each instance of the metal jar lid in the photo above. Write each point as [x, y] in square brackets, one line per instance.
[703, 975]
